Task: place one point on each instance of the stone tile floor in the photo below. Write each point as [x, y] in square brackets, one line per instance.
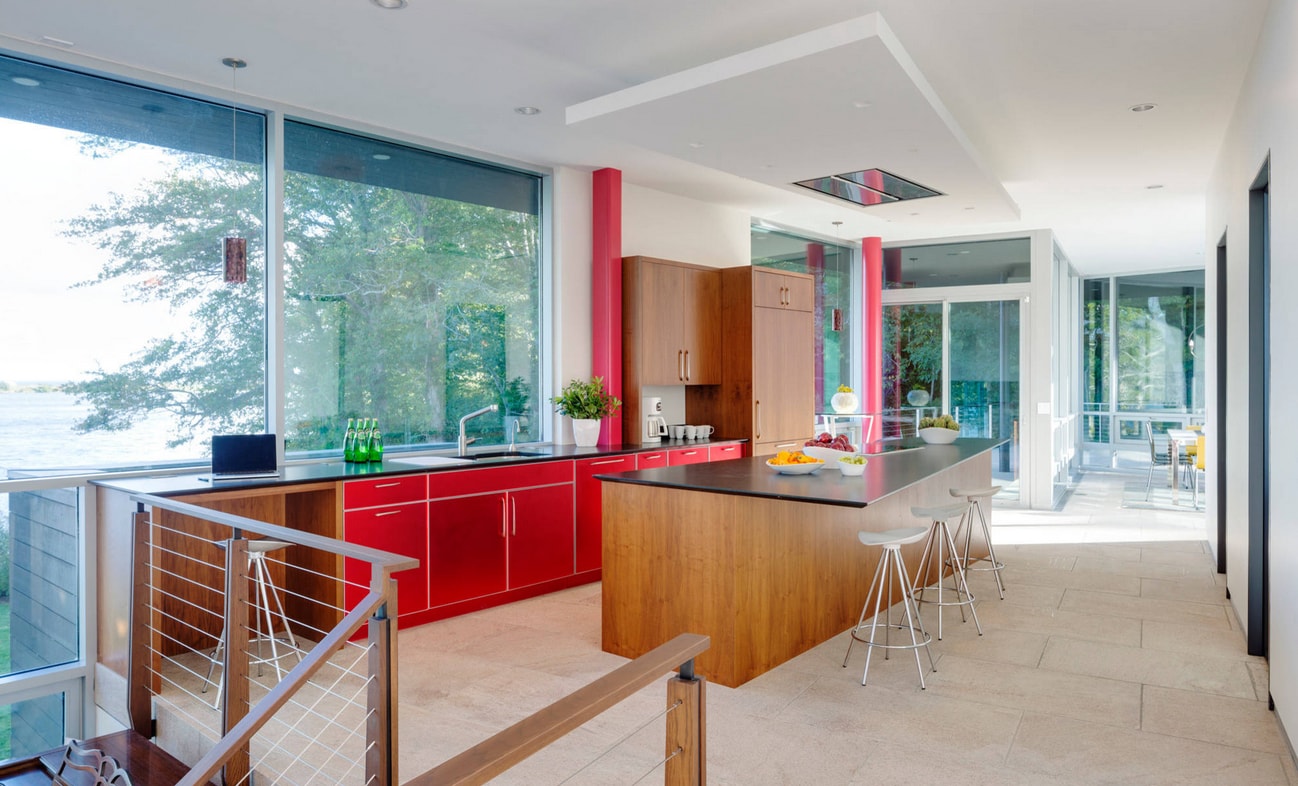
[1114, 658]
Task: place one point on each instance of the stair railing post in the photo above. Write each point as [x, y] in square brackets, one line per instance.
[381, 724]
[686, 729]
[234, 687]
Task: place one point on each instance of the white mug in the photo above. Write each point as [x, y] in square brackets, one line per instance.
[691, 432]
[678, 431]
[704, 431]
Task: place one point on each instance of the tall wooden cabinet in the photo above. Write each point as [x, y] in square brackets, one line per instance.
[671, 330]
[767, 392]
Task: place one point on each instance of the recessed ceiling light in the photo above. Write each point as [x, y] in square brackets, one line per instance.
[52, 41]
[1141, 107]
[381, 157]
[970, 207]
[914, 214]
[391, 5]
[862, 104]
[696, 145]
[25, 81]
[966, 251]
[1154, 186]
[527, 110]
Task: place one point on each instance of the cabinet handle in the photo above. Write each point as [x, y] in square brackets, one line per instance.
[757, 405]
[786, 445]
[513, 516]
[386, 513]
[687, 365]
[504, 516]
[690, 453]
[607, 461]
[653, 455]
[680, 365]
[386, 485]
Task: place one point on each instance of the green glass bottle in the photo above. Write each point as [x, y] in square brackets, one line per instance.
[376, 442]
[361, 453]
[349, 440]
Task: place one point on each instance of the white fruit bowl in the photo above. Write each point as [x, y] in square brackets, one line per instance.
[938, 436]
[796, 469]
[827, 455]
[849, 470]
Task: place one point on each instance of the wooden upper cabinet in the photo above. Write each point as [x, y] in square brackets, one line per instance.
[773, 289]
[671, 322]
[784, 372]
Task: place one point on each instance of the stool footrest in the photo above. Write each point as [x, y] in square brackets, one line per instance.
[922, 637]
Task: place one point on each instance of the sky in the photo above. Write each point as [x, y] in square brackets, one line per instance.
[52, 332]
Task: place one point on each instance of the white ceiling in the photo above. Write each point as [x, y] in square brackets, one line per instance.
[1004, 105]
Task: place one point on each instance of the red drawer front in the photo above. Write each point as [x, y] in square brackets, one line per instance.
[599, 466]
[657, 458]
[725, 452]
[484, 481]
[400, 529]
[675, 458]
[384, 491]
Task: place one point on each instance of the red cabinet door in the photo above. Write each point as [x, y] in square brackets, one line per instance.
[384, 491]
[733, 450]
[540, 534]
[680, 456]
[656, 458]
[400, 529]
[466, 547]
[589, 500]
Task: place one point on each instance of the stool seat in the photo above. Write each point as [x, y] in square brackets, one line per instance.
[940, 512]
[259, 546]
[971, 493]
[892, 537]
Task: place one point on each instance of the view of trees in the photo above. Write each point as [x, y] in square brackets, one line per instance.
[406, 307]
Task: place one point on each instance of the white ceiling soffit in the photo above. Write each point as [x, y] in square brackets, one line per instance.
[839, 99]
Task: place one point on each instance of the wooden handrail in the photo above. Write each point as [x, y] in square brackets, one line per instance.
[497, 754]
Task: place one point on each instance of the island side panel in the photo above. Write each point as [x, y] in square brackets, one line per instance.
[767, 579]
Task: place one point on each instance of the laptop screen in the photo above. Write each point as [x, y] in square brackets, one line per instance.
[243, 454]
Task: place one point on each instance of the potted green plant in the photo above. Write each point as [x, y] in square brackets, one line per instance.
[587, 403]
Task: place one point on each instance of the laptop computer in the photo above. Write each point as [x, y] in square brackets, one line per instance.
[242, 456]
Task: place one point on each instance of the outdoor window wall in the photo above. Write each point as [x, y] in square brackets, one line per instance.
[1142, 359]
[831, 264]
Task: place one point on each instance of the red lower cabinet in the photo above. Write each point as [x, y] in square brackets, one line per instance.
[651, 460]
[540, 534]
[733, 450]
[589, 506]
[396, 528]
[467, 540]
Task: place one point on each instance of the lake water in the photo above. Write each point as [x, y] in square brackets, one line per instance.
[36, 433]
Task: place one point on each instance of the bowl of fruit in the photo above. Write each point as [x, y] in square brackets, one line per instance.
[851, 465]
[941, 430]
[829, 448]
[794, 462]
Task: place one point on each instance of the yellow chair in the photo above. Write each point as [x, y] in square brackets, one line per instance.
[1200, 443]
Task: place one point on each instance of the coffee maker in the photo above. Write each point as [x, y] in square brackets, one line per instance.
[655, 425]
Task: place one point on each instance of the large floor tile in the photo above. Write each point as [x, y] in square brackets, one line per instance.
[1057, 622]
[1210, 615]
[1222, 676]
[1194, 590]
[1193, 638]
[1242, 723]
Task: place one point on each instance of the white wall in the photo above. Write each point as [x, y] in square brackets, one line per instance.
[570, 249]
[1263, 122]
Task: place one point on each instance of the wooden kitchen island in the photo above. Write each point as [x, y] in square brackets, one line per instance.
[767, 565]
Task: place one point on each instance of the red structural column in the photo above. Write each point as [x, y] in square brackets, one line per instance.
[606, 290]
[872, 324]
[816, 267]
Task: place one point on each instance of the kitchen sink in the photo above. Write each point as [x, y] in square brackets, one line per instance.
[503, 455]
[431, 461]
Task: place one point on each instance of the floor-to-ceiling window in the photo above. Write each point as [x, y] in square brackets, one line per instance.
[952, 342]
[831, 264]
[1142, 360]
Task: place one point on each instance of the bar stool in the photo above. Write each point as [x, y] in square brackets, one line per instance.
[263, 593]
[891, 570]
[976, 496]
[939, 540]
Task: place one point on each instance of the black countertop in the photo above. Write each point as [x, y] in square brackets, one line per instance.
[392, 464]
[884, 475]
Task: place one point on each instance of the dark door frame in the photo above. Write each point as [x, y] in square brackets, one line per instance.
[1259, 415]
[1219, 436]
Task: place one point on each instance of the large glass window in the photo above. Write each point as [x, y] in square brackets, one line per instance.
[831, 265]
[1142, 359]
[912, 365]
[412, 292]
[958, 264]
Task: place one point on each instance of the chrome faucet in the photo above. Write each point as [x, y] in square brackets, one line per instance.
[466, 441]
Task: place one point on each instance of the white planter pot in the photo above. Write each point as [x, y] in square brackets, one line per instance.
[844, 402]
[585, 432]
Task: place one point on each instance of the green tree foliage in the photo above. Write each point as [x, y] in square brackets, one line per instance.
[372, 279]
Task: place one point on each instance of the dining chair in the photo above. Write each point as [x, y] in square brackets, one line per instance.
[1200, 443]
[1156, 459]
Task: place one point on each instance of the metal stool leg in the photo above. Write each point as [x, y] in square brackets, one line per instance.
[890, 570]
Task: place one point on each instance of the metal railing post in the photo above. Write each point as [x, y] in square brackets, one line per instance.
[234, 686]
[140, 687]
[381, 724]
[686, 729]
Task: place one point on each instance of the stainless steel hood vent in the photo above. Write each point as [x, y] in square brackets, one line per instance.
[868, 187]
